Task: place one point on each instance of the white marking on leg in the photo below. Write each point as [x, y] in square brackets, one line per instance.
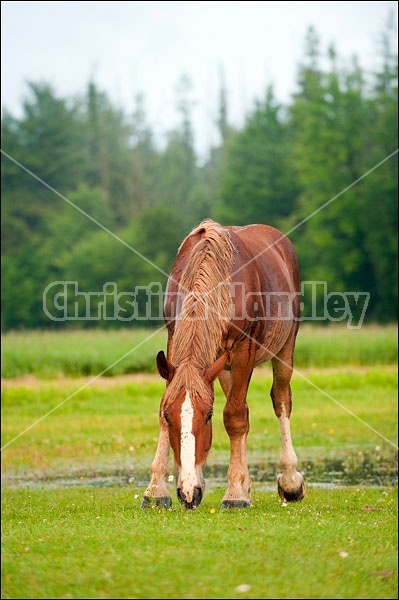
[159, 467]
[187, 449]
[288, 458]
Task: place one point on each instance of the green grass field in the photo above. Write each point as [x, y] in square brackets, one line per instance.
[77, 452]
[98, 543]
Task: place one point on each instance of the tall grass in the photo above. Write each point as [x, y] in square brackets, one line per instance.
[77, 353]
[80, 353]
[337, 345]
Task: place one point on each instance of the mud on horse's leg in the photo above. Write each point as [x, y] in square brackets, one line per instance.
[291, 486]
[156, 491]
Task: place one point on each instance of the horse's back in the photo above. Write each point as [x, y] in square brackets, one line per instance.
[264, 266]
[268, 252]
[258, 243]
[265, 241]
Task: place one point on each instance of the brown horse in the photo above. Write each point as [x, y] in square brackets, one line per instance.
[232, 303]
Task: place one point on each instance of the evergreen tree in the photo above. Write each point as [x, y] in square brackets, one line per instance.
[146, 161]
[333, 121]
[109, 163]
[178, 169]
[256, 185]
[47, 141]
[378, 203]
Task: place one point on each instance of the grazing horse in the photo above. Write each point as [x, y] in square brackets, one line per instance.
[232, 302]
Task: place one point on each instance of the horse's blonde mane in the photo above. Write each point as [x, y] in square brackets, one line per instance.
[205, 289]
[189, 379]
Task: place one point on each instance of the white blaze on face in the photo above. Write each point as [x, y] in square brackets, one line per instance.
[188, 474]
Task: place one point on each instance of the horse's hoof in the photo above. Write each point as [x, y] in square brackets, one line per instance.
[162, 502]
[146, 502]
[296, 496]
[235, 504]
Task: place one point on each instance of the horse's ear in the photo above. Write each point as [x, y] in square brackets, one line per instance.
[165, 368]
[213, 371]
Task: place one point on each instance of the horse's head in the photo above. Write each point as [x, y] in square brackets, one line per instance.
[186, 410]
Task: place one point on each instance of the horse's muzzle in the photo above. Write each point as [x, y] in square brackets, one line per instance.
[195, 502]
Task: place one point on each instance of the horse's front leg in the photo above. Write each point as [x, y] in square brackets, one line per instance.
[156, 490]
[236, 422]
[291, 486]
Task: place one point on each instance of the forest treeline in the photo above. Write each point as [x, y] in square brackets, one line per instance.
[87, 192]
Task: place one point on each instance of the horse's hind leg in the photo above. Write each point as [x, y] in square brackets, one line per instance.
[291, 486]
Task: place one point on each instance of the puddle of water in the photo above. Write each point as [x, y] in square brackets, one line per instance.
[357, 467]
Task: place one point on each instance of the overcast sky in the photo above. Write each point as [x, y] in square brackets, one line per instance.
[131, 47]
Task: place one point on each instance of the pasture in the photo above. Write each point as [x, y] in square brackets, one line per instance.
[73, 480]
